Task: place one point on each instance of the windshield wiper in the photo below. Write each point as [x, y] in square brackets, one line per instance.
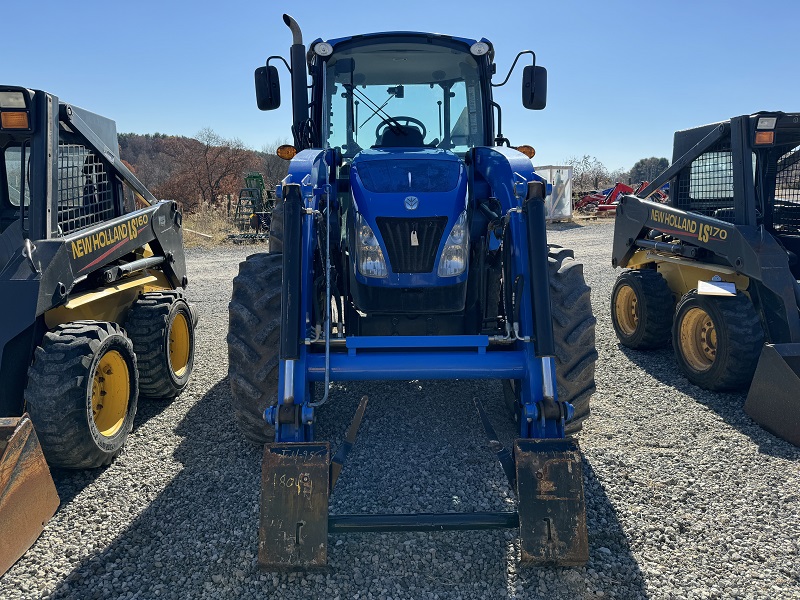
[394, 124]
[375, 112]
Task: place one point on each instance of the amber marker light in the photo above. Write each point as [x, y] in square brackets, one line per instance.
[765, 137]
[527, 150]
[286, 152]
[14, 120]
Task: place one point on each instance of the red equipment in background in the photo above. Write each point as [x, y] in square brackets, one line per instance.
[608, 199]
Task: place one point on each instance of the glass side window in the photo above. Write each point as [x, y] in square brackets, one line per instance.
[424, 95]
[17, 174]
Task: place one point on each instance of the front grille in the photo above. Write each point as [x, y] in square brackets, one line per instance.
[397, 234]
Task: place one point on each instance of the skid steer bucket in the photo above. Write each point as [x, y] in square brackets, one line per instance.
[28, 496]
[774, 398]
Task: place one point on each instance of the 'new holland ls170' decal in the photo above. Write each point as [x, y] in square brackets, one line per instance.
[114, 236]
[687, 226]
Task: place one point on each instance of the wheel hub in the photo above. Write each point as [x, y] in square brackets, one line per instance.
[110, 391]
[627, 310]
[179, 342]
[698, 339]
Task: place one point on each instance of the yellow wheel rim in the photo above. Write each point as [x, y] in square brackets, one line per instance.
[179, 342]
[698, 338]
[626, 308]
[111, 387]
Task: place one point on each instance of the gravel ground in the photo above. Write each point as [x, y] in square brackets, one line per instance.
[686, 497]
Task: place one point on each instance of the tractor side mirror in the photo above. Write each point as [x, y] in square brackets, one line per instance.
[534, 87]
[268, 88]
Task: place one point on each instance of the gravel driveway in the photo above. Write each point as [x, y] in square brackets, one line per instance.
[686, 497]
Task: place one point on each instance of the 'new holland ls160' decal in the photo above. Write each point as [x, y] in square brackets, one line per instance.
[683, 225]
[114, 236]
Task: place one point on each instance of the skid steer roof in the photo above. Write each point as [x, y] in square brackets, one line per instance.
[785, 125]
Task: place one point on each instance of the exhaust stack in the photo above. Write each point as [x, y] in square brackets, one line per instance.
[297, 59]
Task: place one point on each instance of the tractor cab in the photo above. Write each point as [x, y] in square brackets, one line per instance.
[400, 115]
[403, 91]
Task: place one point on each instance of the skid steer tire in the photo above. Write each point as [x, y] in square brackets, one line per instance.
[160, 325]
[276, 229]
[574, 335]
[642, 309]
[81, 393]
[717, 340]
[573, 331]
[253, 342]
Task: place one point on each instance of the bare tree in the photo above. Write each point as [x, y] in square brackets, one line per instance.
[208, 166]
[587, 173]
[273, 167]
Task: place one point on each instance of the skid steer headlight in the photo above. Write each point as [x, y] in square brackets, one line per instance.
[454, 256]
[369, 255]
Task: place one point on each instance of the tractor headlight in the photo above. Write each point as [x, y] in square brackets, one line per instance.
[369, 255]
[454, 255]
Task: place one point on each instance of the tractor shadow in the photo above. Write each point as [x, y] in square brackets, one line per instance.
[729, 406]
[198, 537]
[70, 483]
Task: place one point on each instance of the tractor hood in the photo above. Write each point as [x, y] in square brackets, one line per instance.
[410, 198]
[398, 182]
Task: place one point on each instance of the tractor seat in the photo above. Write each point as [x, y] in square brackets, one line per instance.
[401, 136]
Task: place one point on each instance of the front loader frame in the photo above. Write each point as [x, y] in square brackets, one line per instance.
[545, 468]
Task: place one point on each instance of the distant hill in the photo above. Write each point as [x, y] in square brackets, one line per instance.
[196, 172]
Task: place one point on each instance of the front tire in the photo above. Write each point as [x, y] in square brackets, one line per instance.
[641, 309]
[82, 392]
[573, 330]
[160, 325]
[574, 335]
[253, 342]
[717, 340]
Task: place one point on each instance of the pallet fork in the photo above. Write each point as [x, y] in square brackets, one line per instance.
[28, 497]
[298, 478]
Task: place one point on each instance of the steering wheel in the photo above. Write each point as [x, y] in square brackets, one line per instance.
[393, 121]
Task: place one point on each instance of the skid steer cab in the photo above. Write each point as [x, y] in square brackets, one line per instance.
[408, 242]
[94, 317]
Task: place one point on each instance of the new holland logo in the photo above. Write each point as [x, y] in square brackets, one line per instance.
[411, 202]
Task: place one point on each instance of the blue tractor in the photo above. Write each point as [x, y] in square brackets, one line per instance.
[408, 243]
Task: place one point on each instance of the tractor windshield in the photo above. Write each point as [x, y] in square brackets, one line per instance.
[403, 94]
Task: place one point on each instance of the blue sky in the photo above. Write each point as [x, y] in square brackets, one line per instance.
[623, 74]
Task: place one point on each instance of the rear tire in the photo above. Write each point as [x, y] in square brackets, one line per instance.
[81, 393]
[574, 335]
[641, 309]
[717, 340]
[161, 328]
[253, 342]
